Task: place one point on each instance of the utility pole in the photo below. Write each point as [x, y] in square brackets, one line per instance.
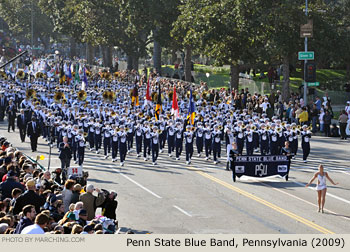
[305, 62]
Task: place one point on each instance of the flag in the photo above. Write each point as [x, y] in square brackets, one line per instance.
[76, 77]
[135, 96]
[148, 97]
[175, 106]
[62, 75]
[159, 104]
[85, 81]
[191, 111]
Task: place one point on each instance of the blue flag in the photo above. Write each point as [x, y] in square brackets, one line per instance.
[191, 110]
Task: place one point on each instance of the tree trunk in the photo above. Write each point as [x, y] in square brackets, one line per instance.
[348, 71]
[89, 54]
[135, 62]
[129, 62]
[234, 80]
[73, 47]
[188, 62]
[286, 80]
[173, 57]
[157, 57]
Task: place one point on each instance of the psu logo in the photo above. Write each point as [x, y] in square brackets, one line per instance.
[239, 169]
[282, 168]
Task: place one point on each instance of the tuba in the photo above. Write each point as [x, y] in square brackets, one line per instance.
[20, 74]
[30, 93]
[82, 95]
[58, 96]
[3, 75]
[111, 96]
[105, 95]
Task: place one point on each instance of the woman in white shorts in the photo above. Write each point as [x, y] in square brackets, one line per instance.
[321, 186]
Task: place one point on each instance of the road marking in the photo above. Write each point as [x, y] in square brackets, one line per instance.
[266, 203]
[305, 201]
[328, 194]
[138, 184]
[182, 211]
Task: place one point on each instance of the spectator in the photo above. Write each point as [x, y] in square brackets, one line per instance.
[10, 184]
[343, 121]
[15, 194]
[110, 206]
[320, 118]
[304, 117]
[82, 217]
[90, 201]
[27, 219]
[41, 221]
[327, 119]
[67, 194]
[76, 193]
[318, 103]
[314, 113]
[3, 227]
[29, 197]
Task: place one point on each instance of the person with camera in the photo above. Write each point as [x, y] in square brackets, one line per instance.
[90, 201]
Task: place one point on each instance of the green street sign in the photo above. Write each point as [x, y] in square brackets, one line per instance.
[313, 84]
[306, 55]
[36, 48]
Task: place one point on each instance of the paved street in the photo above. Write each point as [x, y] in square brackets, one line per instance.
[173, 197]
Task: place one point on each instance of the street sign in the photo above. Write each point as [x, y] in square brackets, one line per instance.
[306, 30]
[313, 84]
[306, 55]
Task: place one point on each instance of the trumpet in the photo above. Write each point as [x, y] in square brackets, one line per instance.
[193, 129]
[299, 127]
[279, 130]
[309, 128]
[160, 131]
[294, 128]
[268, 127]
[253, 128]
[85, 134]
[283, 124]
[59, 96]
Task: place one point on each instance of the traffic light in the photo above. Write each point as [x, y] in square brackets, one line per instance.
[310, 75]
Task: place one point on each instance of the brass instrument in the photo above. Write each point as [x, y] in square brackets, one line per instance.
[105, 95]
[85, 134]
[205, 95]
[39, 75]
[193, 129]
[253, 128]
[82, 95]
[58, 96]
[299, 127]
[116, 74]
[111, 96]
[160, 131]
[154, 96]
[20, 74]
[294, 128]
[64, 101]
[309, 128]
[30, 93]
[220, 127]
[268, 127]
[283, 124]
[113, 114]
[170, 95]
[3, 75]
[279, 130]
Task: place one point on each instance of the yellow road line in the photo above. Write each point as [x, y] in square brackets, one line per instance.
[266, 203]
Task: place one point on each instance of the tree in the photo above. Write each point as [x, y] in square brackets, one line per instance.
[18, 15]
[226, 30]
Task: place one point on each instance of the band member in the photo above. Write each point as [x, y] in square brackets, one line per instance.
[146, 141]
[170, 137]
[216, 144]
[73, 144]
[232, 152]
[122, 144]
[130, 135]
[178, 140]
[264, 140]
[22, 125]
[188, 136]
[11, 111]
[91, 135]
[3, 105]
[155, 144]
[163, 134]
[273, 140]
[239, 133]
[106, 131]
[305, 142]
[65, 157]
[80, 145]
[115, 145]
[207, 141]
[138, 138]
[33, 132]
[98, 137]
[248, 135]
[199, 133]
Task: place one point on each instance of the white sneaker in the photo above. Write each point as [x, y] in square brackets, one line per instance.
[215, 162]
[128, 152]
[177, 158]
[154, 163]
[199, 155]
[122, 163]
[76, 161]
[305, 161]
[161, 151]
[188, 162]
[138, 155]
[145, 159]
[97, 152]
[206, 158]
[113, 160]
[106, 157]
[91, 149]
[170, 155]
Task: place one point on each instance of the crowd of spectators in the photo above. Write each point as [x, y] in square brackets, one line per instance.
[31, 202]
